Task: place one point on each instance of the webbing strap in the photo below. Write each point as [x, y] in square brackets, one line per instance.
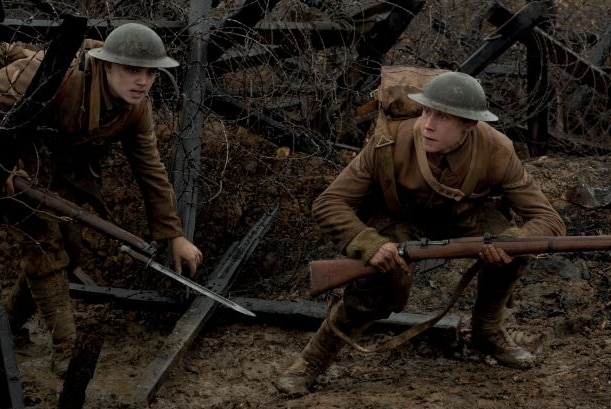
[416, 330]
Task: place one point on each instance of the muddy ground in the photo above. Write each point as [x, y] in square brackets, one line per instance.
[562, 307]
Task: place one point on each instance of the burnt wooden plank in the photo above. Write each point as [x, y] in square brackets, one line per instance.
[365, 70]
[11, 392]
[34, 30]
[198, 314]
[579, 68]
[319, 35]
[186, 162]
[374, 44]
[235, 29]
[310, 313]
[124, 298]
[513, 28]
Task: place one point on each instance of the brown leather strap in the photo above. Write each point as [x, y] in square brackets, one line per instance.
[386, 131]
[416, 330]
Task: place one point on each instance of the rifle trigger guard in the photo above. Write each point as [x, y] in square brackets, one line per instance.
[403, 250]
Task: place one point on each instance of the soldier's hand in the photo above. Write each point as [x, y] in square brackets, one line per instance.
[185, 251]
[9, 185]
[387, 258]
[494, 255]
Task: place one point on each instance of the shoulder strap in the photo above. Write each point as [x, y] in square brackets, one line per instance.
[385, 133]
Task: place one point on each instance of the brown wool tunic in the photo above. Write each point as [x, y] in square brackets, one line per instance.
[86, 119]
[396, 178]
[81, 133]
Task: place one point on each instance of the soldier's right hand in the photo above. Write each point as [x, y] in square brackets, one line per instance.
[387, 258]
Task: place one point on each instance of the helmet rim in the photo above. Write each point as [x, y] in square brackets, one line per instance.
[457, 94]
[136, 45]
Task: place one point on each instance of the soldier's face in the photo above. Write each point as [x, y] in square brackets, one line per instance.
[129, 83]
[441, 132]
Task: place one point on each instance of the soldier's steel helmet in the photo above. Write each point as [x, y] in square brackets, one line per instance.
[136, 45]
[457, 94]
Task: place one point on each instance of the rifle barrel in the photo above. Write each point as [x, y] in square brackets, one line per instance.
[469, 247]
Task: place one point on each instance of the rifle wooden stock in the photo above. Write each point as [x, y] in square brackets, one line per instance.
[67, 208]
[328, 274]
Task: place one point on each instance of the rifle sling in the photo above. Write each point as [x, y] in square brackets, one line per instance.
[416, 330]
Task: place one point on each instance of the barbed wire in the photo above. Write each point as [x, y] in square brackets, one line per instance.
[303, 75]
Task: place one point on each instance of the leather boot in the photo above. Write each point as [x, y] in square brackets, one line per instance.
[494, 289]
[51, 295]
[19, 307]
[318, 353]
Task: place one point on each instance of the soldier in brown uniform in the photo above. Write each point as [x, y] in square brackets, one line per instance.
[103, 98]
[436, 177]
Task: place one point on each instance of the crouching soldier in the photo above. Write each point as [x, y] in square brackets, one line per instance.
[434, 176]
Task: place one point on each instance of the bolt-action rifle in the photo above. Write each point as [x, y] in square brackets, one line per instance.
[328, 274]
[132, 244]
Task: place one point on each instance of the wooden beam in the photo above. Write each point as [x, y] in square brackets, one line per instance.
[583, 71]
[513, 28]
[196, 317]
[235, 29]
[36, 30]
[310, 313]
[123, 298]
[187, 154]
[11, 392]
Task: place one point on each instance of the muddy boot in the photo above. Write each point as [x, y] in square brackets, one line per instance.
[19, 307]
[51, 294]
[494, 289]
[318, 354]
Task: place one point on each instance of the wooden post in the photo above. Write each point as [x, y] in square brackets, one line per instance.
[185, 169]
[11, 392]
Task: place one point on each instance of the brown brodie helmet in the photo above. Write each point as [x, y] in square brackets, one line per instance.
[457, 94]
[136, 45]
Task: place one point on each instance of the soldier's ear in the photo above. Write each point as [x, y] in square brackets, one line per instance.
[470, 125]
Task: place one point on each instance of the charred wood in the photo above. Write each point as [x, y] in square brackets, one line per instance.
[576, 66]
[512, 29]
[144, 300]
[11, 393]
[187, 156]
[236, 28]
[198, 314]
[310, 313]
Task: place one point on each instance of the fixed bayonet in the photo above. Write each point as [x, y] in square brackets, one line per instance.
[184, 280]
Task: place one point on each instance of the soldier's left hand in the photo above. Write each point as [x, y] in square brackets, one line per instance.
[494, 255]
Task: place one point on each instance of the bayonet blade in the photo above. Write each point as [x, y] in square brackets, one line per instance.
[185, 281]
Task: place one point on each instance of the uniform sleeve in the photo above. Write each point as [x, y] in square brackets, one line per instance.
[528, 201]
[335, 210]
[150, 173]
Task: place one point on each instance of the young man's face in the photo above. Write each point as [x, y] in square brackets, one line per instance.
[441, 132]
[129, 83]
